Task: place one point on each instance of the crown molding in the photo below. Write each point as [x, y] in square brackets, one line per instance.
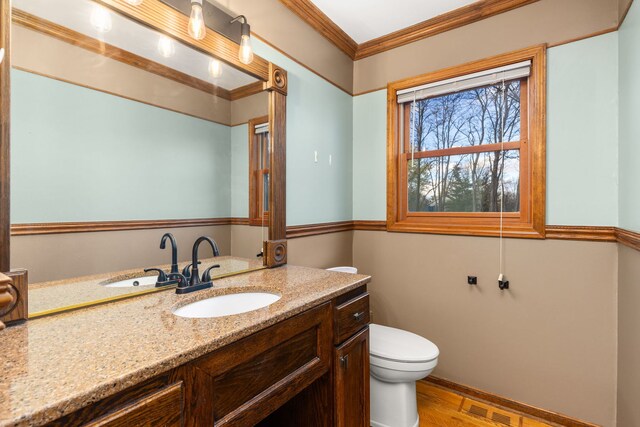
[477, 11]
[320, 22]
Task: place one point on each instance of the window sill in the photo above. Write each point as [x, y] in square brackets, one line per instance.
[522, 231]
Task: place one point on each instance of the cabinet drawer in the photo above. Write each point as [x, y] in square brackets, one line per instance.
[350, 317]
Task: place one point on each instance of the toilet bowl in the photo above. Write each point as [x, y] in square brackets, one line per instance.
[398, 359]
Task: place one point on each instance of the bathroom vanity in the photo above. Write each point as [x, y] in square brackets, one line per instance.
[134, 362]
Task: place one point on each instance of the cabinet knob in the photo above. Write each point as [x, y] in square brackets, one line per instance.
[344, 361]
[358, 316]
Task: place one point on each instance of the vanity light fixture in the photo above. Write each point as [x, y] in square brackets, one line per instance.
[1, 55]
[196, 29]
[205, 14]
[101, 19]
[246, 51]
[134, 2]
[215, 68]
[166, 46]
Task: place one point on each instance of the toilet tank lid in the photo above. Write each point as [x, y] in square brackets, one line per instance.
[344, 269]
[397, 344]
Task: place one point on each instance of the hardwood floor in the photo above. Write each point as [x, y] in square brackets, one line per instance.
[439, 407]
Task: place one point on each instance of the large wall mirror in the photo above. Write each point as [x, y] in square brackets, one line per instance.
[122, 129]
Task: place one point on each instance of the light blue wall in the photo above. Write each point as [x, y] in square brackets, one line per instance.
[370, 156]
[240, 171]
[319, 118]
[629, 215]
[582, 132]
[82, 155]
[581, 138]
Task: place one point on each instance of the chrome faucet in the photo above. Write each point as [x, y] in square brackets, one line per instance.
[194, 282]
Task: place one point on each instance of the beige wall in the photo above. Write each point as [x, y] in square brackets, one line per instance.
[280, 27]
[63, 61]
[245, 109]
[623, 7]
[246, 240]
[628, 337]
[546, 21]
[323, 251]
[550, 341]
[59, 256]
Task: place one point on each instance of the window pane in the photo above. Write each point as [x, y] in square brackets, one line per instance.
[465, 183]
[485, 115]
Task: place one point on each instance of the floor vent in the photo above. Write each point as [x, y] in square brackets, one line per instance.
[500, 418]
[476, 410]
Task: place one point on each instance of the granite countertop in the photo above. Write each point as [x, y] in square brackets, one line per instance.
[52, 366]
[58, 294]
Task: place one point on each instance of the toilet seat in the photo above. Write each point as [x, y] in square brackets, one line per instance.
[401, 350]
[400, 365]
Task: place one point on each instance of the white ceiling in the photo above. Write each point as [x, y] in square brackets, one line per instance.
[365, 20]
[132, 37]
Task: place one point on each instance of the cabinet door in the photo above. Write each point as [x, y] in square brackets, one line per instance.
[351, 364]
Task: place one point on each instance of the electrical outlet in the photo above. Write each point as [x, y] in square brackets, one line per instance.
[472, 280]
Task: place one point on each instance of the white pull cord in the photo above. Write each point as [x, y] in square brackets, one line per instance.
[261, 210]
[504, 106]
[412, 130]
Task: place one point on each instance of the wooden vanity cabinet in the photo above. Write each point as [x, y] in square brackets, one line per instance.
[242, 383]
[311, 369]
[351, 359]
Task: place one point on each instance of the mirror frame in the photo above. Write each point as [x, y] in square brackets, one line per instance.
[162, 18]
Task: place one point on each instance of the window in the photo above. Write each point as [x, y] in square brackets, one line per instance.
[259, 155]
[466, 149]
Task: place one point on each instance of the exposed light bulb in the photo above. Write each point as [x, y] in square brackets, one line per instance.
[215, 68]
[196, 29]
[246, 51]
[101, 19]
[134, 2]
[166, 47]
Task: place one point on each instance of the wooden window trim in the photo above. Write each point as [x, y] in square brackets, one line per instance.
[256, 191]
[530, 222]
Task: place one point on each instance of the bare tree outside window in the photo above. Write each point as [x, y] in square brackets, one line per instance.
[439, 178]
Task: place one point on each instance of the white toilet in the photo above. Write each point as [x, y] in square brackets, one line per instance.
[397, 360]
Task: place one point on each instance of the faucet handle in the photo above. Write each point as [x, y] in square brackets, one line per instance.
[180, 278]
[186, 271]
[206, 276]
[162, 277]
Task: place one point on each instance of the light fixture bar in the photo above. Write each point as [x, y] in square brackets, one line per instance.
[214, 18]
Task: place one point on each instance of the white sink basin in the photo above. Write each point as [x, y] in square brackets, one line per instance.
[138, 281]
[226, 305]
